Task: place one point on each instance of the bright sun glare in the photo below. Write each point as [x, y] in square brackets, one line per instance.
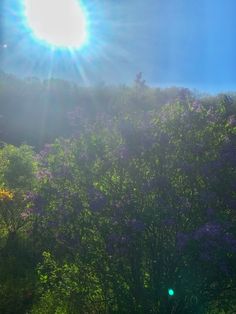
[60, 23]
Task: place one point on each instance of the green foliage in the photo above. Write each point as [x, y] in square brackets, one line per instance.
[18, 167]
[139, 200]
[70, 285]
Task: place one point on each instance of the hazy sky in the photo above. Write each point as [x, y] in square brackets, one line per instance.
[173, 42]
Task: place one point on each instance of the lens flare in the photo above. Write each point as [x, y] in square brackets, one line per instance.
[171, 292]
[61, 24]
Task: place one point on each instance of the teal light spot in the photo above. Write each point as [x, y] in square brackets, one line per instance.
[171, 292]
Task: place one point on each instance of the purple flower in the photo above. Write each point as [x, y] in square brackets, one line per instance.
[228, 153]
[205, 256]
[38, 205]
[117, 244]
[26, 213]
[210, 167]
[44, 174]
[210, 211]
[63, 171]
[75, 116]
[148, 186]
[30, 196]
[224, 268]
[182, 240]
[123, 152]
[169, 222]
[46, 150]
[184, 94]
[162, 182]
[97, 199]
[207, 196]
[232, 120]
[232, 203]
[184, 203]
[196, 106]
[208, 230]
[164, 139]
[136, 225]
[52, 223]
[230, 241]
[186, 167]
[197, 148]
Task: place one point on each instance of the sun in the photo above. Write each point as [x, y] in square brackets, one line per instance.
[59, 23]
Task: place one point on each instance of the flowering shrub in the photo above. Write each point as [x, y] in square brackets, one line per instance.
[135, 205]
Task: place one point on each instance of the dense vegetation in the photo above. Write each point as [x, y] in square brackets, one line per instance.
[127, 192]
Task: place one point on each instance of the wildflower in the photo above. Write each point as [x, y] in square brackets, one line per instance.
[46, 151]
[97, 199]
[5, 195]
[25, 214]
[229, 241]
[196, 106]
[205, 256]
[210, 211]
[123, 152]
[44, 174]
[209, 229]
[228, 153]
[182, 240]
[232, 120]
[136, 225]
[169, 222]
[30, 196]
[149, 185]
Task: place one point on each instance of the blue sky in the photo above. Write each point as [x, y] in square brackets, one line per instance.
[188, 43]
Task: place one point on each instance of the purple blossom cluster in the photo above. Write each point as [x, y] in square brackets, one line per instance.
[44, 174]
[30, 196]
[117, 244]
[26, 213]
[228, 153]
[197, 106]
[231, 202]
[212, 115]
[186, 167]
[160, 182]
[37, 203]
[184, 95]
[97, 200]
[182, 240]
[210, 212]
[230, 241]
[105, 120]
[123, 152]
[136, 225]
[208, 230]
[211, 237]
[169, 222]
[63, 171]
[197, 148]
[164, 139]
[48, 148]
[74, 116]
[147, 121]
[148, 186]
[231, 120]
[212, 167]
[184, 203]
[207, 196]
